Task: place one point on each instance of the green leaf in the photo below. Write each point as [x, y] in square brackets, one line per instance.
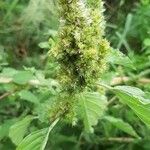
[18, 130]
[33, 141]
[120, 124]
[4, 128]
[22, 77]
[52, 33]
[92, 107]
[36, 140]
[134, 92]
[134, 98]
[118, 58]
[9, 72]
[27, 95]
[44, 45]
[147, 42]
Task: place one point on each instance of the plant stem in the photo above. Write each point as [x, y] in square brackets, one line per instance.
[5, 95]
[118, 139]
[49, 130]
[111, 100]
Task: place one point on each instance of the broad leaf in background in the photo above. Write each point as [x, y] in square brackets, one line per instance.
[37, 140]
[120, 124]
[8, 72]
[29, 96]
[22, 77]
[92, 107]
[134, 98]
[33, 141]
[4, 128]
[36, 12]
[134, 92]
[44, 45]
[147, 42]
[118, 58]
[19, 129]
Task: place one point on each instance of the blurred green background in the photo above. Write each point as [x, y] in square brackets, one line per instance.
[27, 32]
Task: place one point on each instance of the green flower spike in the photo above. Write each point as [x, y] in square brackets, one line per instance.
[81, 49]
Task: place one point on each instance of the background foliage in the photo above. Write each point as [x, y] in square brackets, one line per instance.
[28, 86]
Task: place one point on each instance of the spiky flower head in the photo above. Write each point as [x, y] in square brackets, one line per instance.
[81, 49]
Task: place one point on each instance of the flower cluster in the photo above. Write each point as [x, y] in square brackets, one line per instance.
[81, 49]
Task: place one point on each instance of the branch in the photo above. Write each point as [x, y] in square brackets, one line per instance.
[5, 95]
[111, 140]
[120, 80]
[111, 101]
[115, 81]
[49, 130]
[118, 139]
[4, 80]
